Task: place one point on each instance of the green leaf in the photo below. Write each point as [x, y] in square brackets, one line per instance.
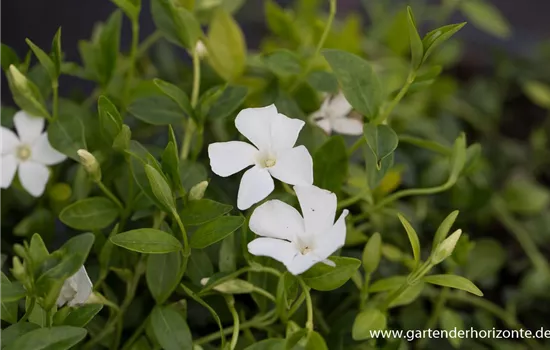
[438, 36]
[538, 93]
[176, 23]
[444, 229]
[417, 50]
[323, 81]
[170, 329]
[12, 291]
[215, 231]
[15, 331]
[67, 135]
[228, 255]
[315, 342]
[357, 80]
[202, 211]
[26, 94]
[109, 43]
[330, 164]
[56, 53]
[170, 163]
[147, 240]
[226, 46]
[451, 321]
[382, 141]
[280, 22]
[283, 62]
[9, 57]
[45, 60]
[82, 315]
[231, 98]
[8, 312]
[368, 321]
[486, 17]
[267, 344]
[37, 250]
[178, 96]
[375, 175]
[458, 157]
[160, 188]
[94, 213]
[110, 120]
[58, 338]
[526, 196]
[324, 278]
[409, 295]
[131, 8]
[413, 237]
[156, 109]
[372, 253]
[387, 284]
[122, 140]
[163, 274]
[454, 281]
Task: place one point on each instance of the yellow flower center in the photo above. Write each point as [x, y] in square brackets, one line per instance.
[269, 163]
[23, 152]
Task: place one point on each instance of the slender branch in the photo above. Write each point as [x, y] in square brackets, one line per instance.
[190, 124]
[183, 233]
[309, 305]
[387, 111]
[29, 311]
[55, 107]
[231, 305]
[111, 195]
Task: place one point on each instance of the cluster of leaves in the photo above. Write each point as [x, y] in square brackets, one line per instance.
[165, 247]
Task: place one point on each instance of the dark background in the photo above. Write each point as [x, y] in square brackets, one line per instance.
[39, 20]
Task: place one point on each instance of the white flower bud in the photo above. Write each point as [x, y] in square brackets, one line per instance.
[445, 248]
[236, 286]
[197, 191]
[90, 163]
[18, 78]
[201, 49]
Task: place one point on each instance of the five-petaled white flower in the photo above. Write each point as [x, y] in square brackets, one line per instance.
[274, 136]
[31, 152]
[299, 243]
[76, 289]
[334, 114]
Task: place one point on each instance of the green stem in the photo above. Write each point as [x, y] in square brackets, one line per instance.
[411, 280]
[265, 293]
[55, 107]
[231, 305]
[132, 63]
[364, 292]
[136, 334]
[29, 311]
[111, 195]
[256, 268]
[352, 200]
[190, 125]
[387, 111]
[183, 233]
[296, 305]
[434, 317]
[309, 305]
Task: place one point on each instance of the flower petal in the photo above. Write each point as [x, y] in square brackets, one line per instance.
[83, 287]
[277, 249]
[276, 219]
[302, 263]
[43, 152]
[256, 184]
[284, 131]
[294, 166]
[34, 177]
[338, 106]
[9, 166]
[9, 140]
[329, 242]
[347, 126]
[28, 128]
[318, 208]
[255, 125]
[228, 158]
[325, 125]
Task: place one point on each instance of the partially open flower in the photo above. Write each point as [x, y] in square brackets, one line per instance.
[90, 163]
[299, 242]
[335, 115]
[76, 289]
[274, 136]
[30, 152]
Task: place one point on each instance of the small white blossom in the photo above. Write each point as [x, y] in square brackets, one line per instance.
[274, 136]
[76, 289]
[334, 115]
[30, 152]
[299, 242]
[201, 49]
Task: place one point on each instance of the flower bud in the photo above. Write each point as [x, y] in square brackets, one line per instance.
[445, 248]
[236, 286]
[18, 270]
[90, 163]
[201, 49]
[197, 191]
[19, 80]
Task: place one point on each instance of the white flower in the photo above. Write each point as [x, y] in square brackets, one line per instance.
[201, 49]
[274, 136]
[334, 115]
[31, 152]
[299, 243]
[76, 289]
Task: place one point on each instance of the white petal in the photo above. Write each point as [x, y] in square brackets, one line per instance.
[28, 128]
[43, 152]
[338, 106]
[329, 242]
[256, 184]
[325, 125]
[318, 208]
[302, 263]
[276, 219]
[347, 126]
[83, 287]
[284, 131]
[9, 140]
[294, 166]
[277, 249]
[227, 158]
[255, 125]
[34, 177]
[9, 166]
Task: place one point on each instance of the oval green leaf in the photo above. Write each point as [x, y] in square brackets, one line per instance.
[324, 278]
[94, 213]
[58, 338]
[454, 281]
[147, 240]
[202, 211]
[171, 329]
[215, 231]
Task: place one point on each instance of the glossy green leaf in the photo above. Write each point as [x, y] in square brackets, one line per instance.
[267, 344]
[280, 22]
[163, 274]
[178, 96]
[526, 196]
[109, 47]
[230, 99]
[458, 157]
[228, 255]
[369, 320]
[215, 231]
[15, 331]
[372, 253]
[438, 36]
[538, 92]
[121, 142]
[330, 164]
[315, 342]
[93, 213]
[45, 60]
[486, 17]
[170, 329]
[58, 338]
[409, 295]
[417, 50]
[176, 23]
[451, 321]
[156, 109]
[382, 141]
[37, 250]
[12, 291]
[323, 81]
[110, 120]
[9, 57]
[226, 46]
[161, 189]
[357, 80]
[67, 135]
[82, 315]
[56, 53]
[324, 278]
[413, 237]
[283, 62]
[454, 281]
[387, 284]
[170, 163]
[130, 7]
[202, 211]
[443, 229]
[147, 240]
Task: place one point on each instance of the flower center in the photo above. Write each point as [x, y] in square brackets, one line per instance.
[23, 152]
[305, 250]
[268, 163]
